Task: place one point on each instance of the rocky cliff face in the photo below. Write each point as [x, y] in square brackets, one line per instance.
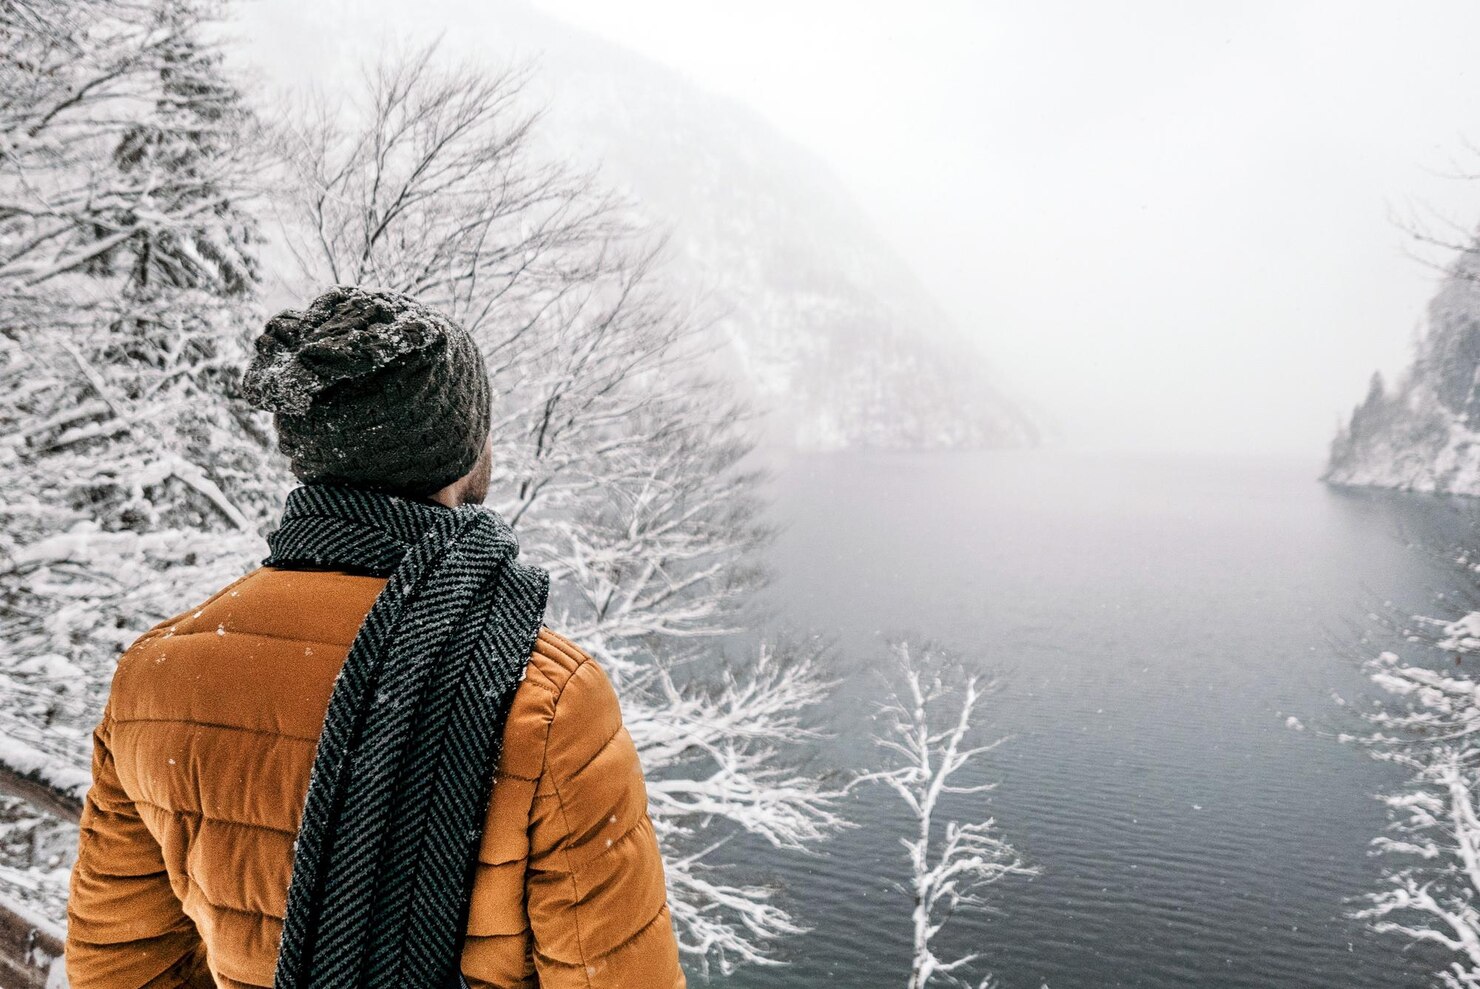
[1424, 433]
[824, 326]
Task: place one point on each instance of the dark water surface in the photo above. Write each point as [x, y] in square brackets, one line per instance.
[1155, 622]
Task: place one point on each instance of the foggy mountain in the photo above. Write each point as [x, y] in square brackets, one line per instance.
[824, 325]
[1424, 433]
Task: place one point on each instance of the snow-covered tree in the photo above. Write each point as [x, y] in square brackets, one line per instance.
[622, 464]
[1429, 722]
[1431, 726]
[929, 737]
[428, 181]
[126, 273]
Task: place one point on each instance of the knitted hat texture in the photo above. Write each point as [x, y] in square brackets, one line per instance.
[372, 389]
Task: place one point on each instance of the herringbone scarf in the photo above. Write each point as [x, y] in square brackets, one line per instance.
[383, 864]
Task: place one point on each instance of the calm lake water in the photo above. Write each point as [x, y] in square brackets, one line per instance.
[1154, 621]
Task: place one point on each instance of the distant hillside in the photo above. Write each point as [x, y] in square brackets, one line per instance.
[824, 325]
[1424, 433]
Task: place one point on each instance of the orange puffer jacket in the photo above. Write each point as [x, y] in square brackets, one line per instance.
[201, 765]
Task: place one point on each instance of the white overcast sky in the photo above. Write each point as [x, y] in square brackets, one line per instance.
[1172, 223]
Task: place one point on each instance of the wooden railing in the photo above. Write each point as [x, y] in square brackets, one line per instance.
[31, 945]
[30, 948]
[41, 793]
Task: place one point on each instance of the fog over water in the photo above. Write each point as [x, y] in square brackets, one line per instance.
[1156, 621]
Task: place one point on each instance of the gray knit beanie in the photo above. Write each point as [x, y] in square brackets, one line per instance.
[372, 389]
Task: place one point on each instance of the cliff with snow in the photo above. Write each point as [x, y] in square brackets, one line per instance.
[1423, 433]
[821, 323]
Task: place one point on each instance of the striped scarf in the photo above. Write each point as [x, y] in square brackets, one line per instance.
[383, 864]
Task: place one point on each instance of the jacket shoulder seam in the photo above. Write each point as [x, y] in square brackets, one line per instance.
[193, 723]
[561, 641]
[555, 712]
[562, 647]
[263, 635]
[179, 617]
[594, 756]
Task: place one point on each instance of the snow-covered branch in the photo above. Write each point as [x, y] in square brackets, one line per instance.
[1429, 722]
[927, 728]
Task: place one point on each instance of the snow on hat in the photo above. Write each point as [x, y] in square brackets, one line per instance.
[372, 389]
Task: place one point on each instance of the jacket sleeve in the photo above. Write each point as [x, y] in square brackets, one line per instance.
[597, 901]
[125, 927]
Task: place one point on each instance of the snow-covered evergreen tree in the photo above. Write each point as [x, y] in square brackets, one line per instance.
[1422, 432]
